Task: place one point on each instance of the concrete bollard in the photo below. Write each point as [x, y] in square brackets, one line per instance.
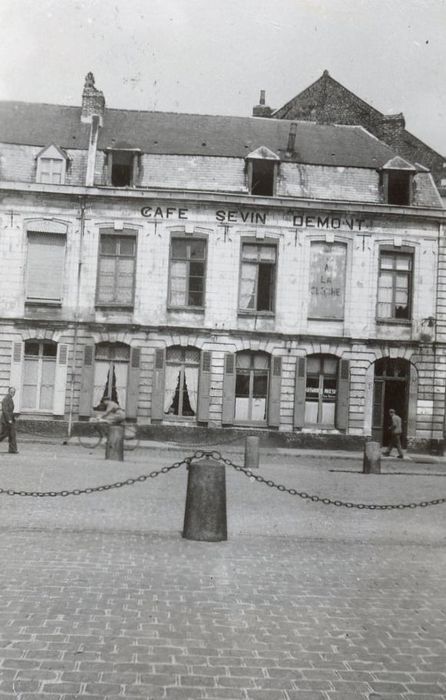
[372, 458]
[114, 447]
[205, 511]
[252, 452]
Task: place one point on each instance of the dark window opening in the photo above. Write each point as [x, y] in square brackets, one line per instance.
[262, 182]
[122, 168]
[398, 188]
[265, 287]
[257, 277]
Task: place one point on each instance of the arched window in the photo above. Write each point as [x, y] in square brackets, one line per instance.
[111, 373]
[251, 387]
[181, 381]
[39, 375]
[321, 390]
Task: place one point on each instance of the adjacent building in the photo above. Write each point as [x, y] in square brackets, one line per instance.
[220, 272]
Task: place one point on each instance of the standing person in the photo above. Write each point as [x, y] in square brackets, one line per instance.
[7, 421]
[396, 431]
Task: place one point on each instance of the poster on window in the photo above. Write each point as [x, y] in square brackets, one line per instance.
[327, 280]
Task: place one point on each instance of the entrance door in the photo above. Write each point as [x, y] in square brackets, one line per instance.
[390, 391]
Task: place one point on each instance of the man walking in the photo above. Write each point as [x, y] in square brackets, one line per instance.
[395, 431]
[7, 421]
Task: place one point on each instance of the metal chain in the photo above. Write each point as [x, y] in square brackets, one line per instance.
[106, 487]
[215, 455]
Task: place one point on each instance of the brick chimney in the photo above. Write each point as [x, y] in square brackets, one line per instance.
[261, 110]
[391, 128]
[93, 101]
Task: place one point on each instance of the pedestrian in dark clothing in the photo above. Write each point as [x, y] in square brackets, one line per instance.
[395, 434]
[7, 421]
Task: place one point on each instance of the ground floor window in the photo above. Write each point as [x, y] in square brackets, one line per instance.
[251, 387]
[321, 390]
[181, 381]
[110, 374]
[39, 375]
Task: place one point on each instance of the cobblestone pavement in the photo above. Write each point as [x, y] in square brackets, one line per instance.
[101, 598]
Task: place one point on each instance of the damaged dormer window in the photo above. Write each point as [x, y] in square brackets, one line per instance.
[397, 182]
[262, 170]
[122, 167]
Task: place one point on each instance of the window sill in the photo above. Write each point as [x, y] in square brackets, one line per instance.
[114, 307]
[394, 321]
[256, 314]
[189, 309]
[325, 318]
[43, 302]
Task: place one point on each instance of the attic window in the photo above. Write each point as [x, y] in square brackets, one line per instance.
[51, 166]
[399, 187]
[122, 168]
[262, 179]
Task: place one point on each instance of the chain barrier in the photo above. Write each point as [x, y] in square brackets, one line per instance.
[218, 457]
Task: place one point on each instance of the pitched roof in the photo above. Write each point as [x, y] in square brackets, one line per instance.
[191, 134]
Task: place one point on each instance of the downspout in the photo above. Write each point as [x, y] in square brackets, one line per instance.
[82, 206]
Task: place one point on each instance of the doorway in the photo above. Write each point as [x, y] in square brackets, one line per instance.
[391, 390]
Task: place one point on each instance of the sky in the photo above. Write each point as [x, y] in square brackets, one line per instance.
[214, 56]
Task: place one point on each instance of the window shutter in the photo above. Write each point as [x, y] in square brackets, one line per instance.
[412, 404]
[87, 382]
[274, 392]
[343, 395]
[299, 392]
[228, 389]
[15, 378]
[131, 408]
[204, 386]
[157, 412]
[45, 266]
[60, 380]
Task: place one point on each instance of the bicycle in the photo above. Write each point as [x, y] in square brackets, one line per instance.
[100, 431]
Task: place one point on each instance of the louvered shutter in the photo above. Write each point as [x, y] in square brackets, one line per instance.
[60, 380]
[274, 392]
[228, 389]
[299, 392]
[343, 395]
[87, 383]
[131, 408]
[15, 378]
[157, 413]
[204, 386]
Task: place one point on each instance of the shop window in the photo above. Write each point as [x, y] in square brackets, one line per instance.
[262, 179]
[187, 272]
[39, 373]
[394, 285]
[181, 382]
[251, 387]
[45, 267]
[116, 270]
[258, 272]
[110, 374]
[321, 390]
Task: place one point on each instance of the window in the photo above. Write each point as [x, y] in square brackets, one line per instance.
[122, 167]
[110, 374]
[399, 187]
[257, 277]
[262, 177]
[321, 390]
[45, 267]
[181, 382]
[39, 375]
[251, 387]
[116, 271]
[187, 272]
[394, 285]
[51, 171]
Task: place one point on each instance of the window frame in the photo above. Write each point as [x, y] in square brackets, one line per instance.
[251, 372]
[39, 358]
[322, 357]
[51, 160]
[126, 233]
[135, 155]
[386, 175]
[250, 174]
[186, 237]
[403, 251]
[40, 300]
[182, 367]
[269, 242]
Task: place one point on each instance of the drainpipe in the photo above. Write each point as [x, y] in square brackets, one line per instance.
[82, 206]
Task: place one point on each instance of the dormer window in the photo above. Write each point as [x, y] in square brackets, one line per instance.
[122, 167]
[262, 169]
[51, 166]
[397, 179]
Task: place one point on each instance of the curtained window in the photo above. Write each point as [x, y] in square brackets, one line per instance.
[187, 272]
[257, 281]
[181, 381]
[111, 374]
[39, 375]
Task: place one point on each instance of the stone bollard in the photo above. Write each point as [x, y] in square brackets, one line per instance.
[372, 458]
[205, 512]
[114, 447]
[252, 452]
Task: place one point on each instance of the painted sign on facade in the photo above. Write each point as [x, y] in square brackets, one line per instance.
[327, 280]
